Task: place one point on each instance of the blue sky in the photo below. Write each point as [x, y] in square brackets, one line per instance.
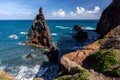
[53, 9]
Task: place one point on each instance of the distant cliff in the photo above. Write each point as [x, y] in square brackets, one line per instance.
[39, 32]
[110, 18]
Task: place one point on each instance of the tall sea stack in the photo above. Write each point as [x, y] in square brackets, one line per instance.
[110, 18]
[39, 32]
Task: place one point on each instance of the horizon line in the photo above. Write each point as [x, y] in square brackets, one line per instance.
[50, 19]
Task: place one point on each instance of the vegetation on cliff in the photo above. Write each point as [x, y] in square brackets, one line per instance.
[104, 61]
[81, 74]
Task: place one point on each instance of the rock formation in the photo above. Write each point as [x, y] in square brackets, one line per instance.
[53, 54]
[110, 18]
[39, 32]
[77, 28]
[80, 33]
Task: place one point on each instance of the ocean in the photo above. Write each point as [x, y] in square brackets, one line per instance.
[13, 52]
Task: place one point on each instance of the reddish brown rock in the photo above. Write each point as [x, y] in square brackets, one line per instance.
[80, 55]
[110, 18]
[39, 32]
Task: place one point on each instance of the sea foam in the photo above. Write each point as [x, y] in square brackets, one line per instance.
[54, 34]
[20, 43]
[13, 36]
[88, 28]
[23, 32]
[27, 73]
[62, 27]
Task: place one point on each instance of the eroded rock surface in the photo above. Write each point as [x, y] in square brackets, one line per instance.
[39, 32]
[110, 18]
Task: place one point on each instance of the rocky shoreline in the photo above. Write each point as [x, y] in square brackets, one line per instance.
[98, 60]
[108, 28]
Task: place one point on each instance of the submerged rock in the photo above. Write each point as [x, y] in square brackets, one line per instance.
[110, 18]
[39, 32]
[30, 56]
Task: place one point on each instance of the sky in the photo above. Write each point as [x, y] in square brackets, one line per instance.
[53, 9]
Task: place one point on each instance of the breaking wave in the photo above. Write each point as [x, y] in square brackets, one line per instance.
[62, 27]
[88, 28]
[27, 73]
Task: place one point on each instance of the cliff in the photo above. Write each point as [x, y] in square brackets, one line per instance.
[39, 32]
[110, 18]
[99, 54]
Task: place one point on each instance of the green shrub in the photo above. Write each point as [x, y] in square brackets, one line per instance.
[83, 74]
[104, 60]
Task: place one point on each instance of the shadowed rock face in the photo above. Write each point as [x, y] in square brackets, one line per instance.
[39, 32]
[110, 18]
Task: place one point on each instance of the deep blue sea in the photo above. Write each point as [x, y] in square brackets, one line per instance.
[13, 53]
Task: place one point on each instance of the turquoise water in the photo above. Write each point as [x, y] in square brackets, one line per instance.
[13, 53]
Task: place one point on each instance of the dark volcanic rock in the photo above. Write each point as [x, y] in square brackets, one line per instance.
[53, 54]
[110, 18]
[77, 28]
[81, 35]
[39, 32]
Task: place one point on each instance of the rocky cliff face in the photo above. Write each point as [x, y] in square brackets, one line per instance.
[110, 18]
[39, 32]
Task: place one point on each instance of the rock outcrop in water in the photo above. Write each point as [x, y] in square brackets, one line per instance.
[39, 32]
[110, 18]
[81, 34]
[77, 28]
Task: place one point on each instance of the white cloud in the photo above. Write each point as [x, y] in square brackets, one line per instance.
[73, 14]
[80, 10]
[96, 10]
[59, 13]
[83, 11]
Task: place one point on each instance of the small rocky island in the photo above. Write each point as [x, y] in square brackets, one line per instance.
[39, 33]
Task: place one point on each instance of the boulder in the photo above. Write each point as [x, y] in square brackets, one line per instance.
[39, 32]
[110, 18]
[77, 28]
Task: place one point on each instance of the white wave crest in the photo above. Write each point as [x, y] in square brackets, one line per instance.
[88, 28]
[54, 34]
[27, 73]
[20, 43]
[13, 36]
[23, 32]
[62, 27]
